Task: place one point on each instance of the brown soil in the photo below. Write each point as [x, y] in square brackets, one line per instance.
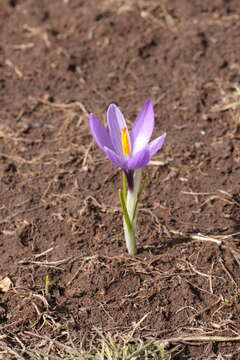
[60, 60]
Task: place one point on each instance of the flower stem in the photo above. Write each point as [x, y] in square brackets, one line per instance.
[131, 208]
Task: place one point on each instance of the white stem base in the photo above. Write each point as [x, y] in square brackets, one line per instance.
[129, 239]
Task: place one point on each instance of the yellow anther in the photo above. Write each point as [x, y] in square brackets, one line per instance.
[125, 142]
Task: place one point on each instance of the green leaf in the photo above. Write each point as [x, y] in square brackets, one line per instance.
[145, 178]
[124, 186]
[124, 210]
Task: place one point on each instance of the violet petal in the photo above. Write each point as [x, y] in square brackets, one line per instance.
[116, 159]
[116, 123]
[156, 144]
[143, 127]
[99, 133]
[139, 160]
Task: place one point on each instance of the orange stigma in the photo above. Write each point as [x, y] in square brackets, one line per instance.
[125, 142]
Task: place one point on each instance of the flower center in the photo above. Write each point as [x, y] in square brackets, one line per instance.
[125, 142]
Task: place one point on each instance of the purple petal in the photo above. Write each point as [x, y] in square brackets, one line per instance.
[115, 158]
[116, 123]
[99, 133]
[156, 144]
[139, 160]
[143, 127]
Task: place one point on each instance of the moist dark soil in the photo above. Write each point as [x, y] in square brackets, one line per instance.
[61, 238]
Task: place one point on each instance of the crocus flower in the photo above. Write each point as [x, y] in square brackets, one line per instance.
[130, 151]
[127, 150]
